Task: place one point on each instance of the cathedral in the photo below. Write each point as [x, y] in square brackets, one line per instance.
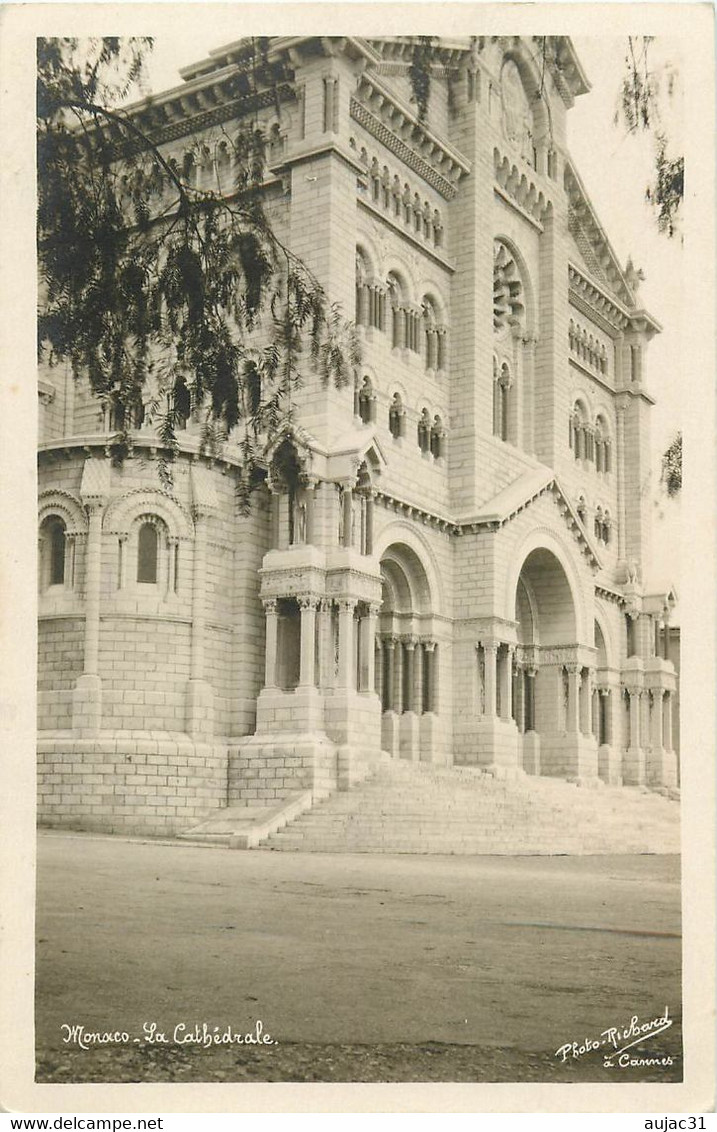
[447, 562]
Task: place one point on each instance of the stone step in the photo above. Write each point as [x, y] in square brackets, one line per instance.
[410, 807]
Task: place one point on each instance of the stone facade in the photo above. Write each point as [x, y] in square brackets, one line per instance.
[453, 569]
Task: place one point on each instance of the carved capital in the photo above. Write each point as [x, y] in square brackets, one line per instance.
[270, 605]
[308, 601]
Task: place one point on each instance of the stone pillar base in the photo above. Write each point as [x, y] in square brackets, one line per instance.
[633, 767]
[496, 745]
[569, 755]
[390, 733]
[200, 710]
[409, 736]
[531, 752]
[87, 706]
[353, 718]
[661, 768]
[301, 709]
[267, 767]
[609, 767]
[431, 747]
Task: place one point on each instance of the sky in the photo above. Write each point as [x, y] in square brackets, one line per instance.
[615, 168]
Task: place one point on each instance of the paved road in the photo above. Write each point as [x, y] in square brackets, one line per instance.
[430, 967]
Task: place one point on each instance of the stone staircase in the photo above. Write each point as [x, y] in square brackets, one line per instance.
[418, 808]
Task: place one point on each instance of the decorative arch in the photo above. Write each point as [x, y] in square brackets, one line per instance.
[124, 510]
[67, 507]
[401, 533]
[543, 538]
[601, 623]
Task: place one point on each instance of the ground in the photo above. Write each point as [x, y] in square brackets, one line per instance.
[359, 967]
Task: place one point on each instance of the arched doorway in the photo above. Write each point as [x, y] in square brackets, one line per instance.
[552, 683]
[406, 656]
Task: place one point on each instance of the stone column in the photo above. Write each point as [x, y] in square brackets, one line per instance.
[87, 693]
[270, 650]
[418, 705]
[530, 674]
[326, 662]
[92, 589]
[389, 646]
[572, 722]
[667, 722]
[307, 673]
[348, 498]
[368, 542]
[367, 653]
[665, 640]
[586, 691]
[310, 496]
[634, 694]
[398, 677]
[196, 670]
[379, 667]
[490, 651]
[275, 520]
[506, 683]
[410, 661]
[346, 643]
[430, 658]
[657, 729]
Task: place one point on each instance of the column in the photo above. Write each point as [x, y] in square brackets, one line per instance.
[347, 513]
[198, 591]
[418, 705]
[389, 654]
[506, 682]
[518, 700]
[368, 543]
[530, 674]
[490, 651]
[326, 666]
[634, 694]
[398, 677]
[92, 589]
[275, 520]
[586, 692]
[310, 497]
[410, 661]
[667, 722]
[346, 643]
[307, 673]
[665, 640]
[430, 657]
[367, 658]
[270, 651]
[379, 667]
[572, 722]
[657, 722]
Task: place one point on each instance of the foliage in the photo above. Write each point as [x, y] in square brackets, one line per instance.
[641, 94]
[419, 73]
[152, 285]
[671, 475]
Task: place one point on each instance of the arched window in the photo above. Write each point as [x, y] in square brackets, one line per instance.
[582, 510]
[580, 435]
[398, 312]
[602, 445]
[147, 554]
[396, 417]
[606, 527]
[598, 524]
[55, 532]
[437, 229]
[424, 431]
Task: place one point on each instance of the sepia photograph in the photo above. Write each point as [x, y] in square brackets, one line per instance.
[360, 549]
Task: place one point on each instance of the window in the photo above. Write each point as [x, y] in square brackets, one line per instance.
[582, 510]
[147, 554]
[56, 534]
